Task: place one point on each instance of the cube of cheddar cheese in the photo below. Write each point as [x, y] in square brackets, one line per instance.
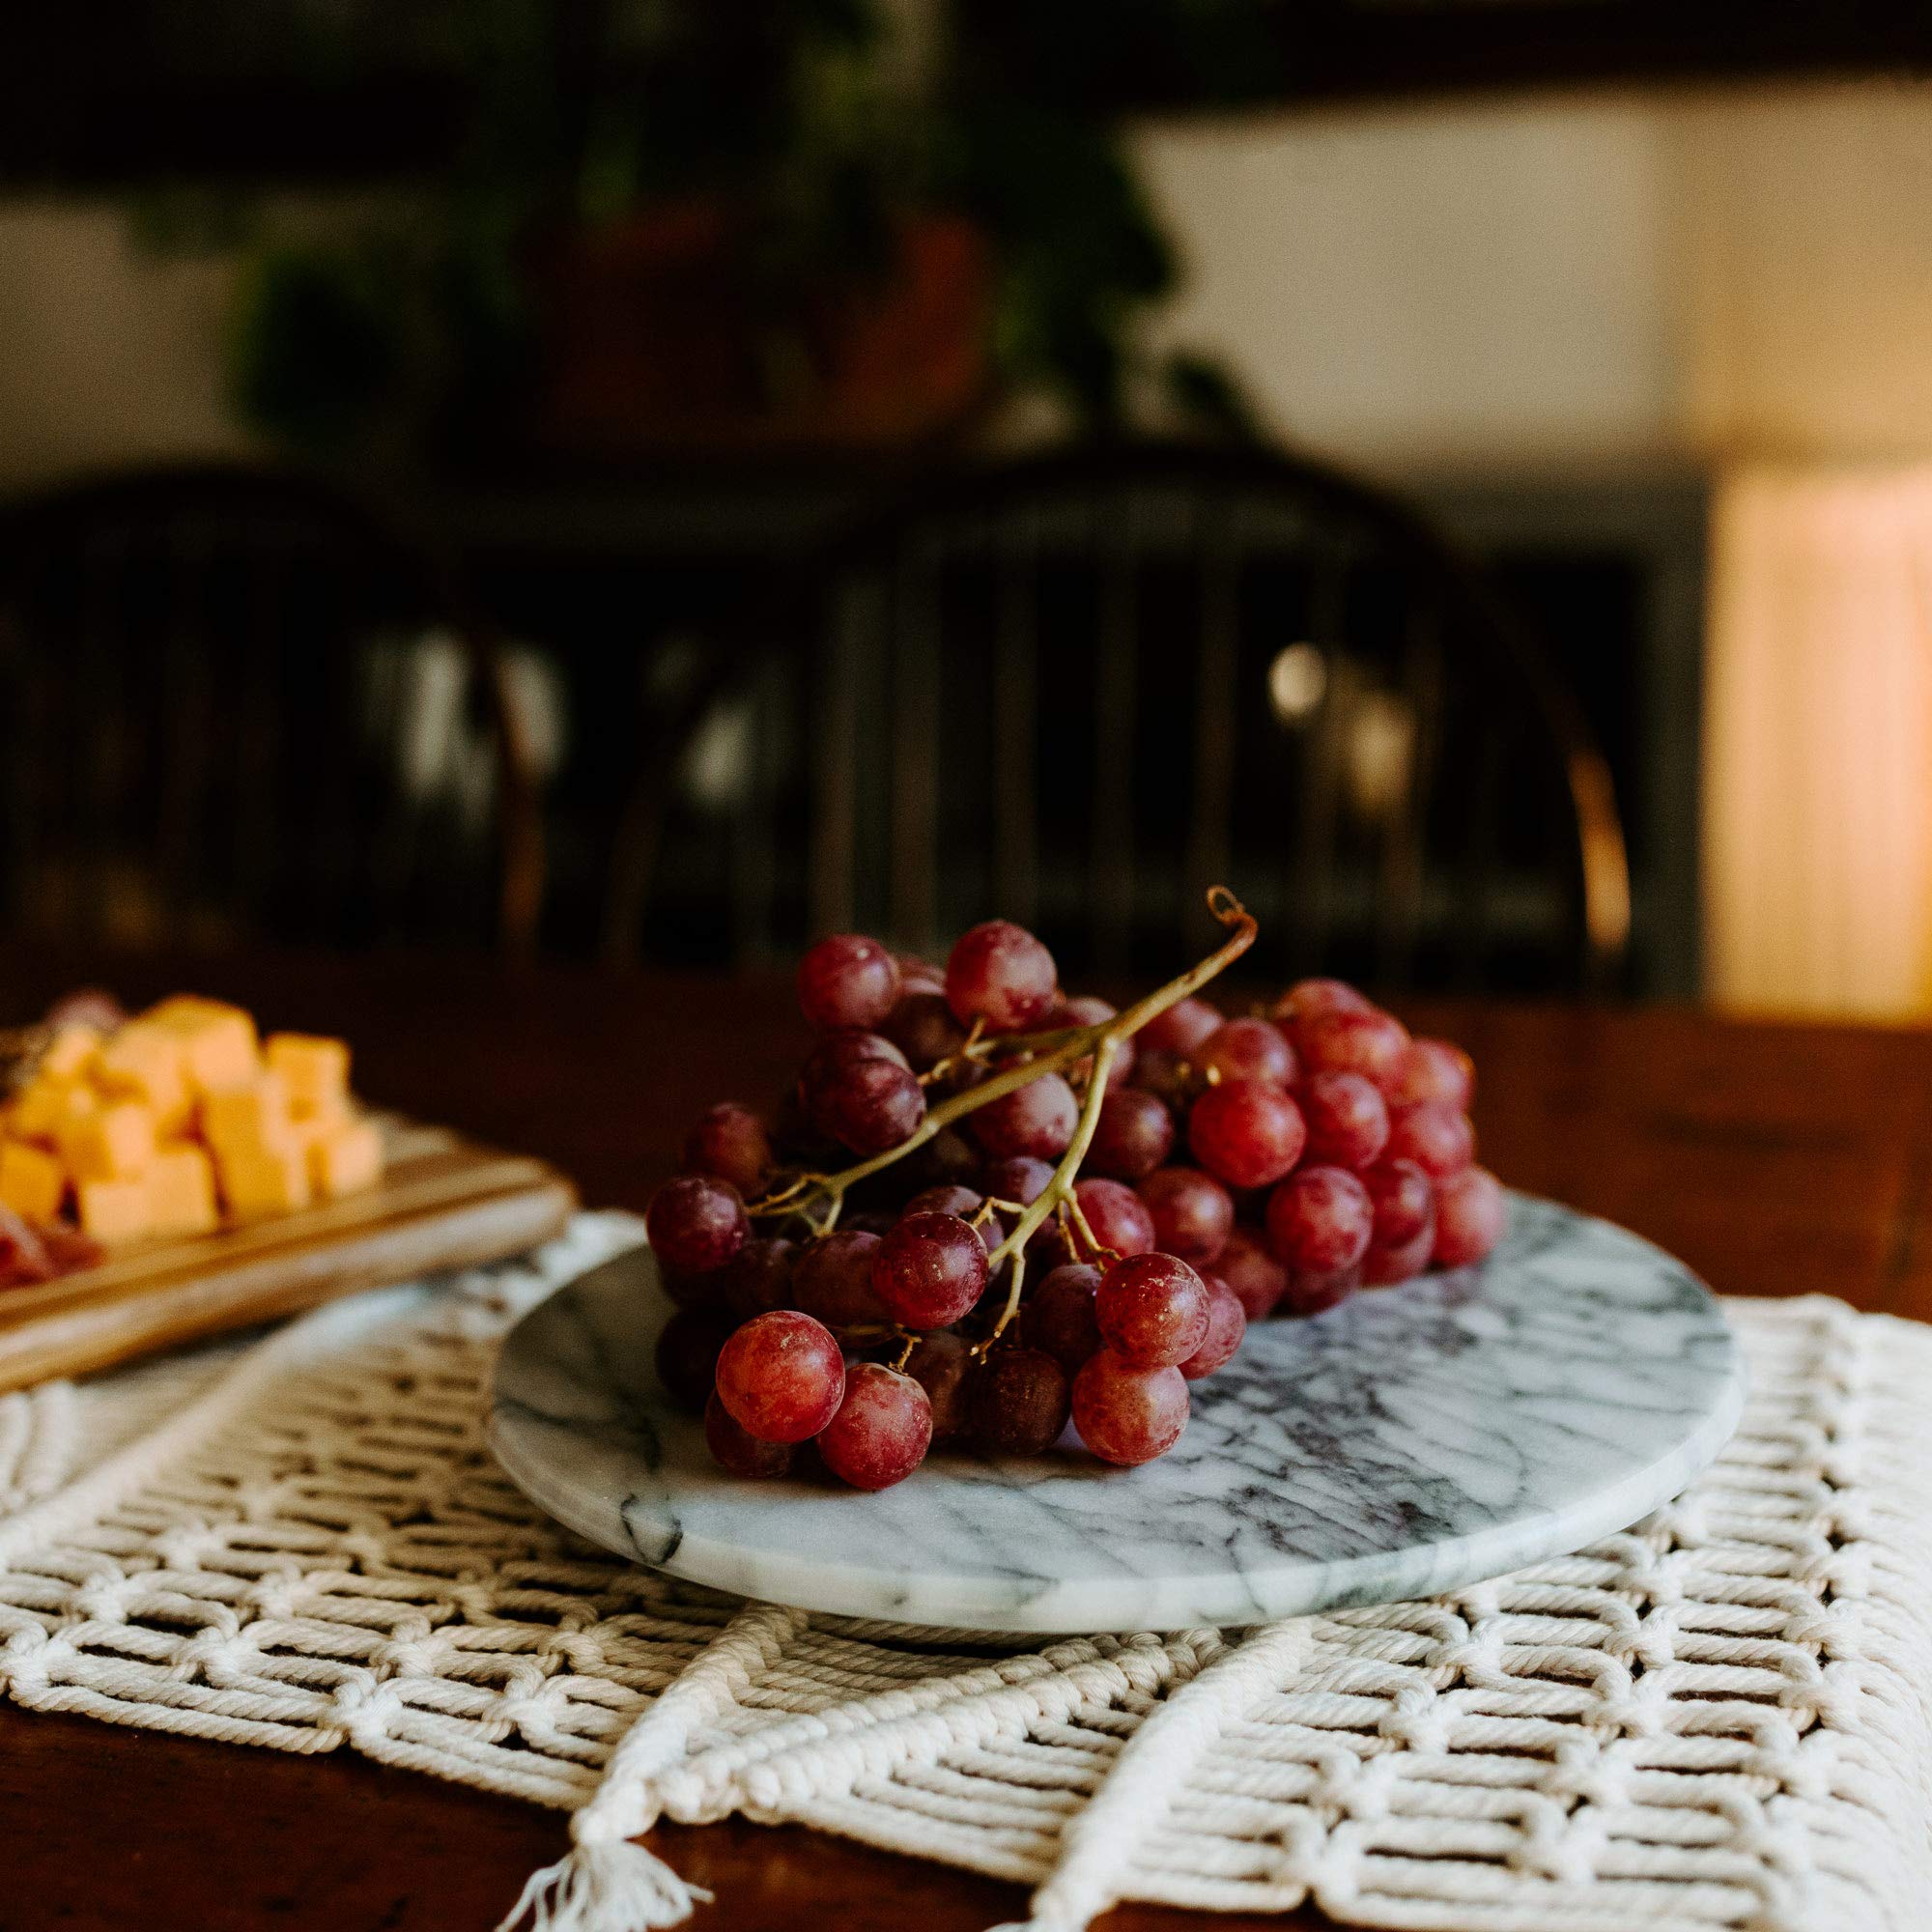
[32, 1181]
[266, 1180]
[143, 1062]
[114, 1210]
[41, 1105]
[69, 1054]
[247, 1117]
[180, 1191]
[314, 1069]
[115, 1141]
[216, 1041]
[346, 1160]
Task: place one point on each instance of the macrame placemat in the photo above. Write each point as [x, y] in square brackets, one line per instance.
[1721, 1717]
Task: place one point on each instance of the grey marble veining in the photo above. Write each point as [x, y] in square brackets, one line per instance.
[1411, 1440]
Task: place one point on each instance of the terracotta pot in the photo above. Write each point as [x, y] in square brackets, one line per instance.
[648, 343]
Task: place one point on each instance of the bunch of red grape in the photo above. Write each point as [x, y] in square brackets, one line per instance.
[1024, 1247]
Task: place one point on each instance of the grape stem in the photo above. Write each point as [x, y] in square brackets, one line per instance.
[803, 1191]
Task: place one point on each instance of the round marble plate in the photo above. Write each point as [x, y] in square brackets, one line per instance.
[1411, 1440]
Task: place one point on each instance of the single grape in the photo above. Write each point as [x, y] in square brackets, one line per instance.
[967, 1205]
[1384, 1267]
[1312, 1293]
[796, 1139]
[759, 1277]
[1132, 1136]
[693, 1291]
[1435, 1069]
[1020, 1402]
[1259, 1281]
[882, 1431]
[948, 1159]
[930, 1270]
[1246, 1132]
[1153, 1310]
[923, 1028]
[781, 1375]
[1347, 1118]
[687, 1355]
[1319, 1219]
[835, 1055]
[1471, 1212]
[1246, 1049]
[1167, 1076]
[917, 975]
[1000, 973]
[873, 1221]
[1128, 1415]
[832, 1278]
[1311, 1000]
[730, 1142]
[1057, 1316]
[1435, 1135]
[1086, 1010]
[871, 1106]
[942, 1365]
[1118, 1216]
[1373, 1044]
[737, 1450]
[1037, 1119]
[1180, 1027]
[1192, 1212]
[847, 980]
[697, 1224]
[1404, 1202]
[1227, 1330]
[1022, 1179]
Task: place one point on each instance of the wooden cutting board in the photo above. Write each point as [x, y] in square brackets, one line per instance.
[444, 1203]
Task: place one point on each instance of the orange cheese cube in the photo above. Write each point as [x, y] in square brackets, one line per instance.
[79, 1107]
[315, 1070]
[346, 1160]
[32, 1181]
[217, 1043]
[112, 1142]
[144, 1062]
[70, 1053]
[181, 1190]
[258, 1180]
[41, 1106]
[114, 1210]
[247, 1119]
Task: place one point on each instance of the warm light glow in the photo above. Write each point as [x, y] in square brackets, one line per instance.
[1381, 746]
[1818, 742]
[1297, 680]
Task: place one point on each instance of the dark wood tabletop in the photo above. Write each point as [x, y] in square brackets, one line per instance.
[1774, 1159]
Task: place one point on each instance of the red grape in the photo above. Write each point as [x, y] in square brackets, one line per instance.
[831, 1279]
[1347, 1118]
[875, 1221]
[1259, 1281]
[730, 1142]
[1022, 1180]
[1435, 1069]
[1167, 1076]
[1309, 1000]
[923, 1028]
[836, 1053]
[1132, 1136]
[1059, 1316]
[1037, 1119]
[1192, 1212]
[882, 1430]
[759, 1277]
[737, 1450]
[1020, 1402]
[1383, 1266]
[1404, 1202]
[930, 1270]
[847, 980]
[1319, 1220]
[1118, 1216]
[871, 1106]
[781, 1375]
[942, 1365]
[1246, 1132]
[1000, 973]
[687, 1355]
[963, 1202]
[1310, 1294]
[1435, 1135]
[1372, 1043]
[949, 1158]
[1471, 1212]
[1128, 1415]
[697, 1224]
[919, 976]
[1153, 1310]
[1180, 1027]
[1227, 1329]
[1084, 1009]
[1246, 1049]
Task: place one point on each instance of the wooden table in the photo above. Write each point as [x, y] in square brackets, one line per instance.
[1773, 1159]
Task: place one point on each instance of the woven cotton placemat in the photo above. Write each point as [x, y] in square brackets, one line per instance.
[1721, 1717]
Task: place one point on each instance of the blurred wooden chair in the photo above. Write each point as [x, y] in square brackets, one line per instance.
[1078, 688]
[233, 703]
